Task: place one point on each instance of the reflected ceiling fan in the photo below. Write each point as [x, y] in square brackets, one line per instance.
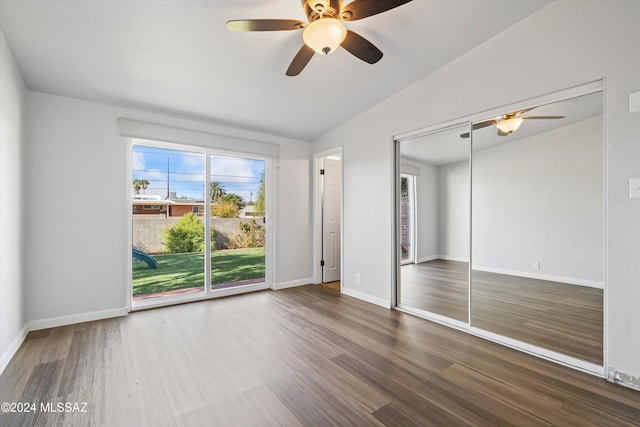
[325, 30]
[508, 123]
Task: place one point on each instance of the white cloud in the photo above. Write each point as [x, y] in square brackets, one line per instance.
[138, 162]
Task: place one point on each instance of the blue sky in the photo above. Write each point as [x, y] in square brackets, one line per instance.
[186, 172]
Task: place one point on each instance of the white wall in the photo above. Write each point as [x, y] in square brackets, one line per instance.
[12, 137]
[541, 198]
[427, 212]
[564, 44]
[453, 211]
[294, 260]
[77, 179]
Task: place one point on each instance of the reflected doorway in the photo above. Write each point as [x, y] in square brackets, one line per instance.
[407, 218]
[433, 216]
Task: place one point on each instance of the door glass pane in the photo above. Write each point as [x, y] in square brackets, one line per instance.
[406, 217]
[167, 222]
[237, 198]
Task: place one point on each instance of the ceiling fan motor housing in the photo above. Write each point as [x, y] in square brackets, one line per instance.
[316, 9]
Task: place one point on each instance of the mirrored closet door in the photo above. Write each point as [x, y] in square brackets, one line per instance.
[538, 226]
[500, 226]
[434, 224]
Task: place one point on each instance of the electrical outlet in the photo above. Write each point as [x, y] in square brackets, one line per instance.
[535, 264]
[358, 278]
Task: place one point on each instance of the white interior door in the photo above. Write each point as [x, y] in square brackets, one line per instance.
[331, 200]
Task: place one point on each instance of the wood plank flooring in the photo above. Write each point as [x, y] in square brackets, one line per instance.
[305, 356]
[564, 318]
[438, 286]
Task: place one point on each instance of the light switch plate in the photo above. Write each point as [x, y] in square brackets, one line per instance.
[634, 188]
[634, 102]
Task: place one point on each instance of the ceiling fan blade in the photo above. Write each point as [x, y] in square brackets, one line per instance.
[542, 117]
[264, 25]
[359, 9]
[300, 61]
[517, 113]
[479, 125]
[361, 48]
[484, 124]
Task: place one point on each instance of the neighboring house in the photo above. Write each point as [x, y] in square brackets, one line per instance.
[249, 211]
[183, 208]
[150, 205]
[156, 205]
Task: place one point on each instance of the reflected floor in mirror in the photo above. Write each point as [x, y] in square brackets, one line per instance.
[557, 316]
[438, 286]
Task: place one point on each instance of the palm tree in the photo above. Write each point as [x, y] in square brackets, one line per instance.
[144, 184]
[235, 199]
[139, 184]
[216, 191]
[260, 204]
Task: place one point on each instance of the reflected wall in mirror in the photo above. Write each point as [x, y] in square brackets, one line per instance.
[538, 226]
[434, 224]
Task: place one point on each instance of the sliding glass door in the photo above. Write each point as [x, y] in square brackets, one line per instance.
[237, 190]
[168, 231]
[198, 217]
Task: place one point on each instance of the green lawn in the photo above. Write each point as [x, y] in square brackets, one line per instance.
[181, 271]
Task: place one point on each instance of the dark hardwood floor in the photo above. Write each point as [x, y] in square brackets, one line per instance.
[305, 356]
[438, 286]
[564, 318]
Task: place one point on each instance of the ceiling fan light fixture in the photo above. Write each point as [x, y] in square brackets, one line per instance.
[324, 35]
[509, 125]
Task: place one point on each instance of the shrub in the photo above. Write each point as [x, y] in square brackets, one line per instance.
[186, 235]
[251, 236]
[226, 209]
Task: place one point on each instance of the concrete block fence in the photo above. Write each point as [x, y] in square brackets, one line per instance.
[147, 230]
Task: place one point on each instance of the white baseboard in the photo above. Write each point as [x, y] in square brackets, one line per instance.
[53, 322]
[540, 276]
[527, 274]
[292, 283]
[366, 297]
[452, 258]
[427, 259]
[13, 347]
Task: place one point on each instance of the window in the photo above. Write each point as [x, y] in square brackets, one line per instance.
[197, 252]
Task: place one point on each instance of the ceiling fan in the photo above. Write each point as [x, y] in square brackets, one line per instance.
[325, 31]
[508, 123]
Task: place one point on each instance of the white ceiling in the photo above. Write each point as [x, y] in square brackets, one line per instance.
[176, 56]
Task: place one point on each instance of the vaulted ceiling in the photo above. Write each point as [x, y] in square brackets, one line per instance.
[177, 57]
